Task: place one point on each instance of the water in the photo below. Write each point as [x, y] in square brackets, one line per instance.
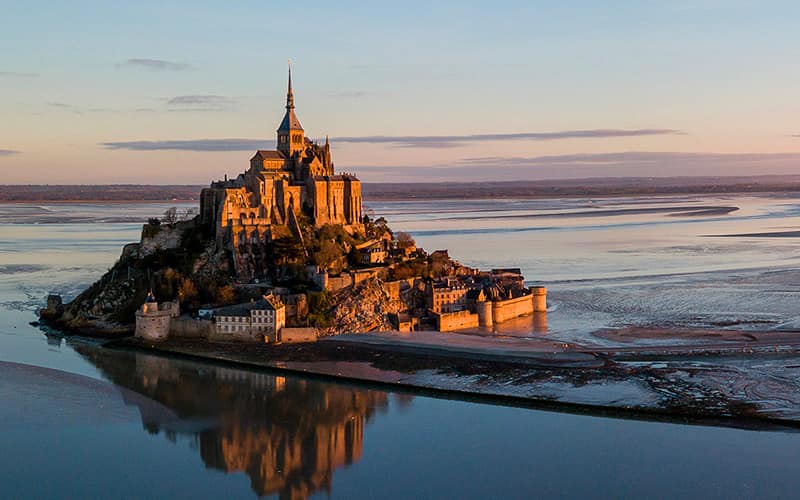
[83, 421]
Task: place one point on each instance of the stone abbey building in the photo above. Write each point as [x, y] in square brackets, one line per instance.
[280, 184]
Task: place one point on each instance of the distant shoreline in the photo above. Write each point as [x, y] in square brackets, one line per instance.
[563, 188]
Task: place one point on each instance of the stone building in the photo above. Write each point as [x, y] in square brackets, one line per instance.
[446, 295]
[259, 320]
[372, 252]
[297, 177]
[153, 319]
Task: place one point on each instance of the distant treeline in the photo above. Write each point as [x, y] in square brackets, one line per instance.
[611, 186]
[582, 187]
[109, 192]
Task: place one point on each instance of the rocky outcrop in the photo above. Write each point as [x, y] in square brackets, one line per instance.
[177, 261]
[54, 309]
[363, 308]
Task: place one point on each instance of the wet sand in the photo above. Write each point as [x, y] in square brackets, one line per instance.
[775, 234]
[675, 211]
[744, 375]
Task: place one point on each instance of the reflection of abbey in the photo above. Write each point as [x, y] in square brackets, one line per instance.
[297, 177]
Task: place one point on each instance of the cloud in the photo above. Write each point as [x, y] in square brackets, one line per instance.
[18, 74]
[351, 94]
[155, 64]
[194, 100]
[629, 158]
[589, 165]
[192, 145]
[59, 105]
[8, 152]
[200, 103]
[449, 141]
[190, 101]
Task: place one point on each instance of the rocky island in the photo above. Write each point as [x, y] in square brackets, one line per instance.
[283, 253]
[282, 268]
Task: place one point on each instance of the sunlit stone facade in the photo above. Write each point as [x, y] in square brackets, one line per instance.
[297, 177]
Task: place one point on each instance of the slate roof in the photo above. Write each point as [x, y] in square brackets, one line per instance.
[269, 302]
[289, 122]
[270, 154]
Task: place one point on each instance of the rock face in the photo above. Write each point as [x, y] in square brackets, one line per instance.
[54, 309]
[363, 308]
[175, 260]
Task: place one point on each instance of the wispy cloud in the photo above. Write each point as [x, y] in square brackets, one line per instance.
[155, 64]
[18, 74]
[589, 165]
[630, 158]
[200, 103]
[449, 141]
[8, 152]
[192, 145]
[208, 102]
[351, 94]
[194, 100]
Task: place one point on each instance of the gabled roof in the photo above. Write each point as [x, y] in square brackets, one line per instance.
[269, 154]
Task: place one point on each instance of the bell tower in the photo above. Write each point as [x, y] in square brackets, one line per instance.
[291, 137]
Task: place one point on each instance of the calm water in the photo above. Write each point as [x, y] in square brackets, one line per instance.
[82, 421]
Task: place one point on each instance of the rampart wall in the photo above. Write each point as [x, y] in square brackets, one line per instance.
[447, 322]
[503, 310]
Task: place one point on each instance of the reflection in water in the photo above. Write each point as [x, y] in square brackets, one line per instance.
[287, 434]
[540, 322]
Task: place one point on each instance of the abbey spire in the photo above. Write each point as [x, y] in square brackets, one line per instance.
[290, 133]
[289, 93]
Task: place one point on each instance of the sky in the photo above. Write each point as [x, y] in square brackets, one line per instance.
[184, 92]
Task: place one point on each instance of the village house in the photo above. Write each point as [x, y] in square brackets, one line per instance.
[372, 252]
[446, 295]
[258, 320]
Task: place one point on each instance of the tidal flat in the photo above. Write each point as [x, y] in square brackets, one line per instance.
[616, 279]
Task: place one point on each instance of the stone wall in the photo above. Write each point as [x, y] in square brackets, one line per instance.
[293, 335]
[246, 335]
[447, 322]
[191, 328]
[503, 310]
[338, 282]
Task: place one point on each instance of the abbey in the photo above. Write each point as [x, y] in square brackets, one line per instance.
[298, 177]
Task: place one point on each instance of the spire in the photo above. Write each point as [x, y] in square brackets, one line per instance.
[289, 94]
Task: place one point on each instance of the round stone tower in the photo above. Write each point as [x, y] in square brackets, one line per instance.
[153, 321]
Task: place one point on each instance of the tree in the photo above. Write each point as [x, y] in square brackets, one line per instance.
[189, 214]
[187, 292]
[287, 249]
[405, 240]
[382, 227]
[225, 294]
[328, 254]
[170, 216]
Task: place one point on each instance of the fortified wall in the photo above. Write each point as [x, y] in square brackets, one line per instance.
[153, 319]
[488, 313]
[459, 320]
